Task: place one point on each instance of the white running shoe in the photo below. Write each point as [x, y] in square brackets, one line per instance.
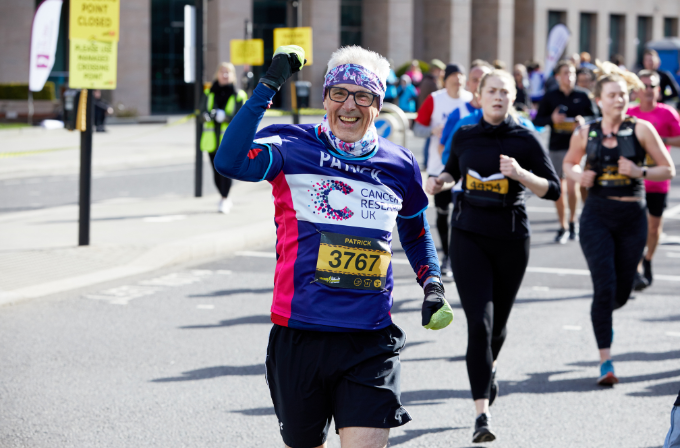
[225, 206]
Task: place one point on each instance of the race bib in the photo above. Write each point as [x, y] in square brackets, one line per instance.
[611, 178]
[352, 262]
[566, 126]
[495, 184]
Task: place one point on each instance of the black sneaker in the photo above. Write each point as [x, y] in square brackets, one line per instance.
[639, 282]
[483, 432]
[647, 271]
[561, 236]
[494, 388]
[573, 231]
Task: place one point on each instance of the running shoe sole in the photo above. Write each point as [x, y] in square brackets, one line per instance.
[609, 379]
[483, 435]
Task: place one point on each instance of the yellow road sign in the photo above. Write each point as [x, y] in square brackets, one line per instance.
[93, 64]
[301, 36]
[95, 19]
[249, 51]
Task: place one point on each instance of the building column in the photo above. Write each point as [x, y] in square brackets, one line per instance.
[657, 25]
[525, 29]
[460, 33]
[16, 18]
[506, 32]
[134, 57]
[485, 24]
[324, 18]
[630, 39]
[574, 25]
[228, 22]
[602, 43]
[387, 28]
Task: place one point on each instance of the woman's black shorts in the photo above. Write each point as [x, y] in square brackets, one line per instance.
[314, 376]
[656, 203]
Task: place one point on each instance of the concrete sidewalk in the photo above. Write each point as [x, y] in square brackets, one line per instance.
[40, 255]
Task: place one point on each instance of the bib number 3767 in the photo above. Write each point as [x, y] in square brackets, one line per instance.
[352, 262]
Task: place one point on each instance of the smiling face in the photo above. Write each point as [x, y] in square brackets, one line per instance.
[348, 121]
[614, 99]
[497, 95]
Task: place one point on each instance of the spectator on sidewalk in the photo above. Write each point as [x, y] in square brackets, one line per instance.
[536, 82]
[101, 110]
[415, 73]
[391, 88]
[222, 101]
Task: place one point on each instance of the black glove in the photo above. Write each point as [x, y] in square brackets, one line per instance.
[287, 60]
[437, 312]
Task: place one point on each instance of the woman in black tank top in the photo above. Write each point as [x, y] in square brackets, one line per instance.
[613, 220]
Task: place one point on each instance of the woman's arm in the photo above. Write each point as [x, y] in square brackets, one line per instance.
[650, 140]
[571, 166]
[540, 177]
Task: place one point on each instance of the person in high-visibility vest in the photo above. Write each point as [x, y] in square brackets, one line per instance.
[222, 101]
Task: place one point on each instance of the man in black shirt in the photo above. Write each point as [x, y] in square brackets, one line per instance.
[563, 110]
[669, 88]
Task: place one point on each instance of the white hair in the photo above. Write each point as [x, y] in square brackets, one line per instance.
[355, 54]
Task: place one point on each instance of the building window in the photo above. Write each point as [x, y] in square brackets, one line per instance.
[670, 27]
[644, 35]
[350, 22]
[617, 33]
[587, 33]
[556, 18]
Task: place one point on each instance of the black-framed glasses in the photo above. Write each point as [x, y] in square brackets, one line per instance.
[650, 86]
[361, 98]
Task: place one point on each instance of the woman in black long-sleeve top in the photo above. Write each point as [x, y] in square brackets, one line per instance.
[494, 162]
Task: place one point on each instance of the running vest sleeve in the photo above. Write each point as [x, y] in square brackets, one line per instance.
[238, 157]
[416, 239]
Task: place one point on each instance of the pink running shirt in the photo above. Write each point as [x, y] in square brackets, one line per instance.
[666, 121]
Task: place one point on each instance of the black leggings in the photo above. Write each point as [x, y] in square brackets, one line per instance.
[222, 183]
[488, 273]
[613, 236]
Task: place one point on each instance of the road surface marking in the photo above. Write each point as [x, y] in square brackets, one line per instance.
[571, 327]
[558, 271]
[205, 307]
[541, 288]
[673, 333]
[168, 218]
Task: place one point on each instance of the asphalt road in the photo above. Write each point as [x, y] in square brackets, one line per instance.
[175, 359]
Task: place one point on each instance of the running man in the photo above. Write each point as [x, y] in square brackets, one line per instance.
[496, 160]
[613, 220]
[339, 190]
[563, 110]
[666, 121]
[429, 123]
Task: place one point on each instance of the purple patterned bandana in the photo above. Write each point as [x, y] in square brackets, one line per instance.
[357, 75]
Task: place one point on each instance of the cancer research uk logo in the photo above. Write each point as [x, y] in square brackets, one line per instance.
[320, 192]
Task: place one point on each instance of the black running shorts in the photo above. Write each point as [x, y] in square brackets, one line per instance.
[656, 203]
[314, 376]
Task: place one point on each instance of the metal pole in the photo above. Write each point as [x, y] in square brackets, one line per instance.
[198, 94]
[298, 21]
[85, 174]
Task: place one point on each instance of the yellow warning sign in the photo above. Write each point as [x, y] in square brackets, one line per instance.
[93, 64]
[250, 51]
[301, 37]
[95, 19]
